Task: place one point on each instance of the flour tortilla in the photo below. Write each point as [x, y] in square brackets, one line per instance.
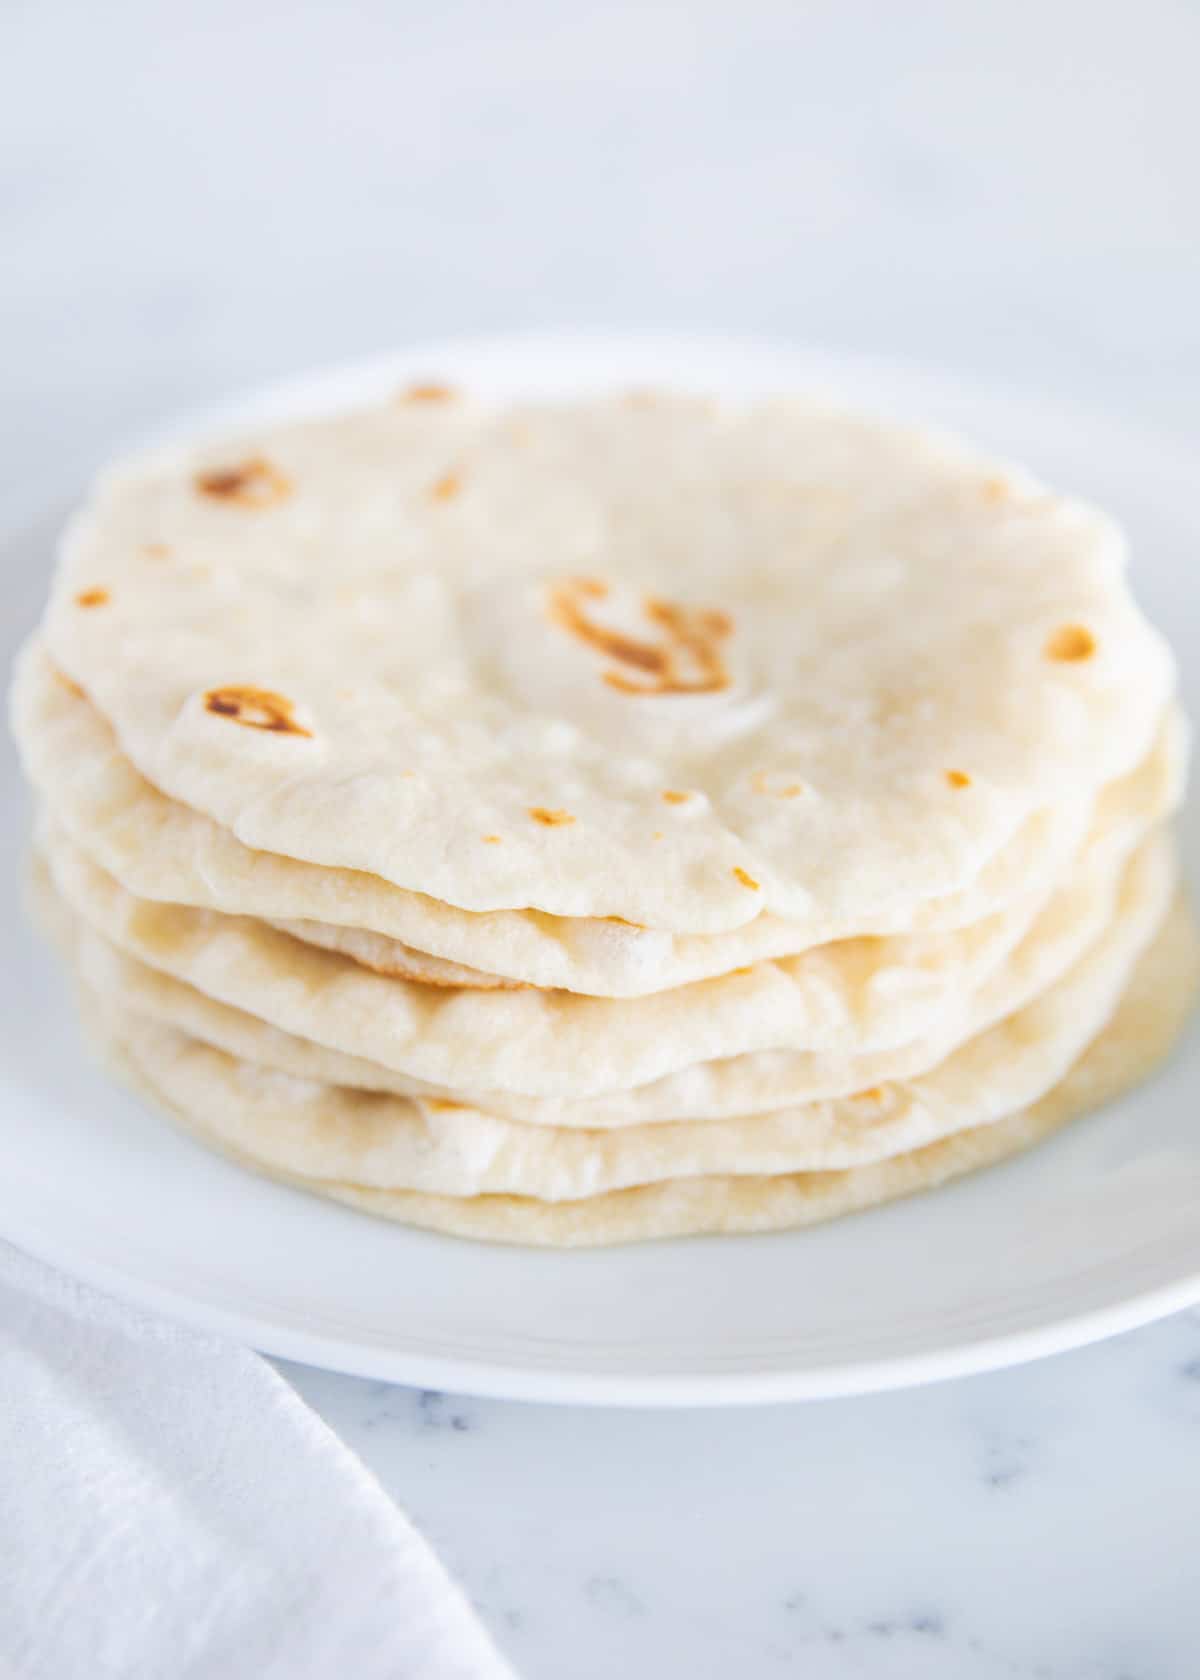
[852, 997]
[1154, 785]
[1063, 936]
[1146, 1023]
[331, 1132]
[844, 607]
[160, 849]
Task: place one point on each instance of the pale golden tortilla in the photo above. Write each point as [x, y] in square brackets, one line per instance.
[331, 1132]
[838, 999]
[1064, 937]
[160, 849]
[479, 654]
[1142, 1031]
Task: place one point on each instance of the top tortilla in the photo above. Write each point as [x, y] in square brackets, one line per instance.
[667, 662]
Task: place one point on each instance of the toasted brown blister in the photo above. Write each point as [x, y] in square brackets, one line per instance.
[255, 708]
[254, 483]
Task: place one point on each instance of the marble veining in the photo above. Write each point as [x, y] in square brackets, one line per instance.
[1006, 1459]
[1035, 1523]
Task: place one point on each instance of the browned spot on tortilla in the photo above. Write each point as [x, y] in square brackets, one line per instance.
[155, 551]
[748, 969]
[569, 615]
[255, 483]
[446, 488]
[427, 392]
[491, 839]
[92, 598]
[443, 1103]
[625, 922]
[550, 819]
[69, 683]
[746, 880]
[255, 708]
[658, 835]
[995, 489]
[633, 655]
[761, 783]
[873, 1094]
[958, 778]
[1071, 642]
[684, 659]
[692, 635]
[673, 796]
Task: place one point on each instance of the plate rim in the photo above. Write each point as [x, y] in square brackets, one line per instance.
[1058, 1331]
[503, 1380]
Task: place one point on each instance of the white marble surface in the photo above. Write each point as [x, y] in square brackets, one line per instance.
[193, 196]
[1037, 1523]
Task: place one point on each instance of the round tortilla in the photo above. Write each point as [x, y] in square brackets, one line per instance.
[161, 849]
[848, 999]
[671, 662]
[334, 1132]
[1147, 1020]
[1066, 933]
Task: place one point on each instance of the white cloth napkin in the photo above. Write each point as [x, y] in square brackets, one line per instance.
[171, 1510]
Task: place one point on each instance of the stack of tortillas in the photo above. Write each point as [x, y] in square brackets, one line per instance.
[583, 823]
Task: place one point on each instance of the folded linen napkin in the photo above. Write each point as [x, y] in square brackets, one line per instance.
[171, 1510]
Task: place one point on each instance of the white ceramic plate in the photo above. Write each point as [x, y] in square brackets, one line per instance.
[1097, 1231]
